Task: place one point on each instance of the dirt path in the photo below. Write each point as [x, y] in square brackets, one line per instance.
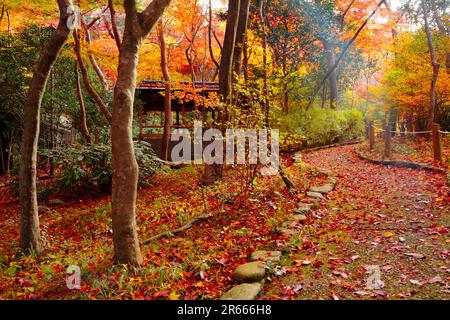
[383, 227]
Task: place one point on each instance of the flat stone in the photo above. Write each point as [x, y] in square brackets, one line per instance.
[56, 201]
[297, 158]
[324, 171]
[332, 180]
[287, 232]
[263, 255]
[289, 224]
[316, 195]
[244, 291]
[303, 208]
[322, 189]
[250, 272]
[298, 217]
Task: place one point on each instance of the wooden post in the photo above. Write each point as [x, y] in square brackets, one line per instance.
[371, 135]
[402, 132]
[437, 151]
[387, 141]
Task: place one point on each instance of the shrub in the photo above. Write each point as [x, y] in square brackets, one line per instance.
[319, 126]
[89, 167]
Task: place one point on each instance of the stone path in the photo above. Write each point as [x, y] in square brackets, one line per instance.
[250, 276]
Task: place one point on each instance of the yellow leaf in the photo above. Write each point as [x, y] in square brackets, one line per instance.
[174, 296]
[388, 234]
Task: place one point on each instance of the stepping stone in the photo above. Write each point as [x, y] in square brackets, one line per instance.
[244, 291]
[303, 208]
[316, 195]
[263, 255]
[250, 272]
[298, 217]
[324, 171]
[289, 224]
[322, 189]
[297, 158]
[287, 232]
[332, 180]
[56, 201]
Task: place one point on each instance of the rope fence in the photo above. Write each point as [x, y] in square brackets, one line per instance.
[408, 132]
[437, 136]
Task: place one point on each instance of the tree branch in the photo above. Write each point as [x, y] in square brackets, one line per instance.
[347, 46]
[94, 63]
[188, 225]
[103, 107]
[116, 33]
[151, 15]
[345, 13]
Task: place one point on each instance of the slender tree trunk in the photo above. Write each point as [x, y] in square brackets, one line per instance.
[331, 60]
[30, 239]
[245, 60]
[84, 127]
[167, 99]
[124, 166]
[442, 29]
[3, 11]
[2, 155]
[241, 32]
[341, 55]
[435, 66]
[210, 34]
[285, 87]
[226, 61]
[266, 104]
[214, 172]
[9, 21]
[9, 156]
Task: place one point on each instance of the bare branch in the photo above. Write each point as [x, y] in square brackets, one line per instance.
[116, 33]
[347, 46]
[103, 107]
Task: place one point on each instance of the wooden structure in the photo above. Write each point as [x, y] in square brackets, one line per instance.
[437, 150]
[150, 93]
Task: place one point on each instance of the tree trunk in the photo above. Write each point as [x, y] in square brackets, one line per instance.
[266, 105]
[210, 34]
[442, 29]
[167, 101]
[244, 7]
[245, 61]
[435, 66]
[226, 61]
[125, 169]
[213, 172]
[9, 151]
[30, 239]
[84, 127]
[387, 141]
[124, 166]
[285, 87]
[341, 55]
[331, 60]
[393, 120]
